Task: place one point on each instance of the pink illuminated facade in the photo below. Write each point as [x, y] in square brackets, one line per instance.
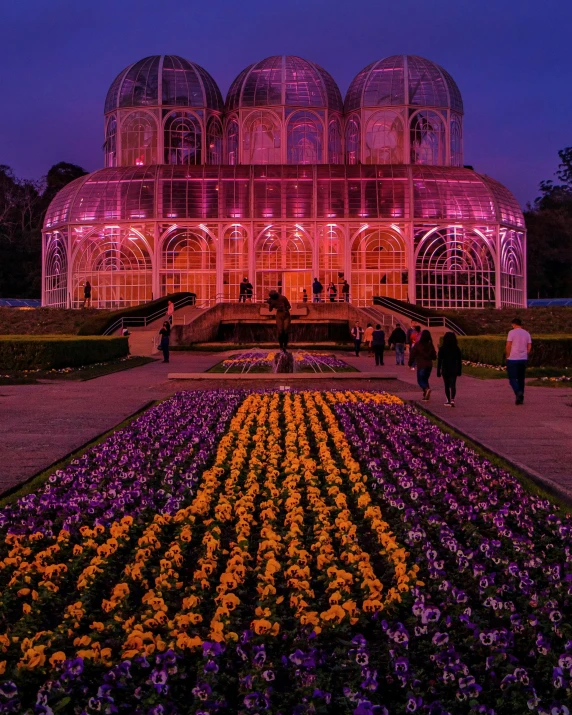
[282, 183]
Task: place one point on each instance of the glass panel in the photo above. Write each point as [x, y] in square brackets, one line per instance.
[352, 141]
[214, 141]
[427, 139]
[139, 140]
[305, 139]
[384, 139]
[182, 139]
[261, 141]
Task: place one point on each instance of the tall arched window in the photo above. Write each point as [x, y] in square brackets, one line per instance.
[235, 261]
[232, 142]
[111, 142]
[305, 139]
[512, 268]
[261, 140]
[456, 142]
[118, 265]
[182, 139]
[335, 154]
[455, 268]
[283, 263]
[139, 139]
[427, 137]
[55, 270]
[352, 141]
[384, 139]
[379, 266]
[188, 263]
[214, 141]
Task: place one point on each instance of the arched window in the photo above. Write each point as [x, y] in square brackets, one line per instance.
[55, 271]
[261, 140]
[305, 139]
[283, 263]
[512, 268]
[232, 142]
[384, 139]
[111, 142]
[352, 141]
[455, 268]
[335, 153]
[331, 257]
[456, 142]
[139, 140]
[214, 141]
[427, 137]
[235, 261]
[188, 263]
[379, 266]
[182, 139]
[118, 266]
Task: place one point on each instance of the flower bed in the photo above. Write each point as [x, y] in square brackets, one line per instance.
[284, 553]
[261, 362]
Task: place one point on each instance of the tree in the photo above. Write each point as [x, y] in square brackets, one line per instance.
[23, 205]
[549, 226]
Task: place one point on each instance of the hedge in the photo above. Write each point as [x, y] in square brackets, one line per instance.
[98, 324]
[44, 352]
[547, 350]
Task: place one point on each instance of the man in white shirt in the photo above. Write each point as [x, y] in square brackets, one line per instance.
[518, 345]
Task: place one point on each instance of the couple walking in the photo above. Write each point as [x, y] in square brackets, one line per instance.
[449, 364]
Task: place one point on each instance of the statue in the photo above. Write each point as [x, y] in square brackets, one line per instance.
[282, 306]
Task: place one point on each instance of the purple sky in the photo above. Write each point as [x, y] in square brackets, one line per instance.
[512, 60]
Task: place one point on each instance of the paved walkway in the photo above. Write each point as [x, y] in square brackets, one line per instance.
[40, 424]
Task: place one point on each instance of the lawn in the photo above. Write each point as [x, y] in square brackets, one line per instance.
[490, 372]
[81, 374]
[306, 552]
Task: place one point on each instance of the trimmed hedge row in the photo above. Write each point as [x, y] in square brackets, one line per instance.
[45, 352]
[547, 350]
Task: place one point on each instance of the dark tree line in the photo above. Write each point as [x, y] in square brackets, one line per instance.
[23, 205]
[549, 226]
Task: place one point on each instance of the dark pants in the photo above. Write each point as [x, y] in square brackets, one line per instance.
[378, 352]
[357, 346]
[164, 347]
[423, 375]
[400, 353]
[317, 298]
[347, 297]
[332, 297]
[283, 327]
[242, 298]
[516, 370]
[450, 386]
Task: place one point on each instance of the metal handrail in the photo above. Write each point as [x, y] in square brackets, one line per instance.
[428, 321]
[135, 321]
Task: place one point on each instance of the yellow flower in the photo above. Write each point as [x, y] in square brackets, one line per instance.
[57, 658]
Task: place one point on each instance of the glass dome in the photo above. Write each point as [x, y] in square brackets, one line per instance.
[166, 80]
[383, 83]
[284, 80]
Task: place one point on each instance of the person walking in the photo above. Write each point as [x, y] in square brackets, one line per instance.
[378, 344]
[413, 339]
[422, 356]
[368, 337]
[170, 311]
[346, 291]
[87, 295]
[332, 292]
[518, 347]
[283, 319]
[245, 291]
[449, 366]
[317, 289]
[165, 334]
[398, 339]
[357, 335]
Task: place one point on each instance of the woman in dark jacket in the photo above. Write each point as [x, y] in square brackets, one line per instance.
[450, 366]
[378, 344]
[422, 355]
[165, 334]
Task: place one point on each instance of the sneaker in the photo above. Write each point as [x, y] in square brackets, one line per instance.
[452, 403]
[427, 394]
[519, 399]
[448, 404]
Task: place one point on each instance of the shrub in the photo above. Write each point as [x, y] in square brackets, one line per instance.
[547, 350]
[44, 352]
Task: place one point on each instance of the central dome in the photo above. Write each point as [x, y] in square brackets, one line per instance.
[284, 80]
[164, 80]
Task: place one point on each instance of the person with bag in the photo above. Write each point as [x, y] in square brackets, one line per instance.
[422, 356]
[165, 334]
[449, 366]
[398, 338]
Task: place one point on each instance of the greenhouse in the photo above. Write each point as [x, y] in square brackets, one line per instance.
[282, 183]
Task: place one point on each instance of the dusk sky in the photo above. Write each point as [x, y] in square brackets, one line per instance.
[512, 60]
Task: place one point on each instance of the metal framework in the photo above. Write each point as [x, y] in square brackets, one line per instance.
[283, 184]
